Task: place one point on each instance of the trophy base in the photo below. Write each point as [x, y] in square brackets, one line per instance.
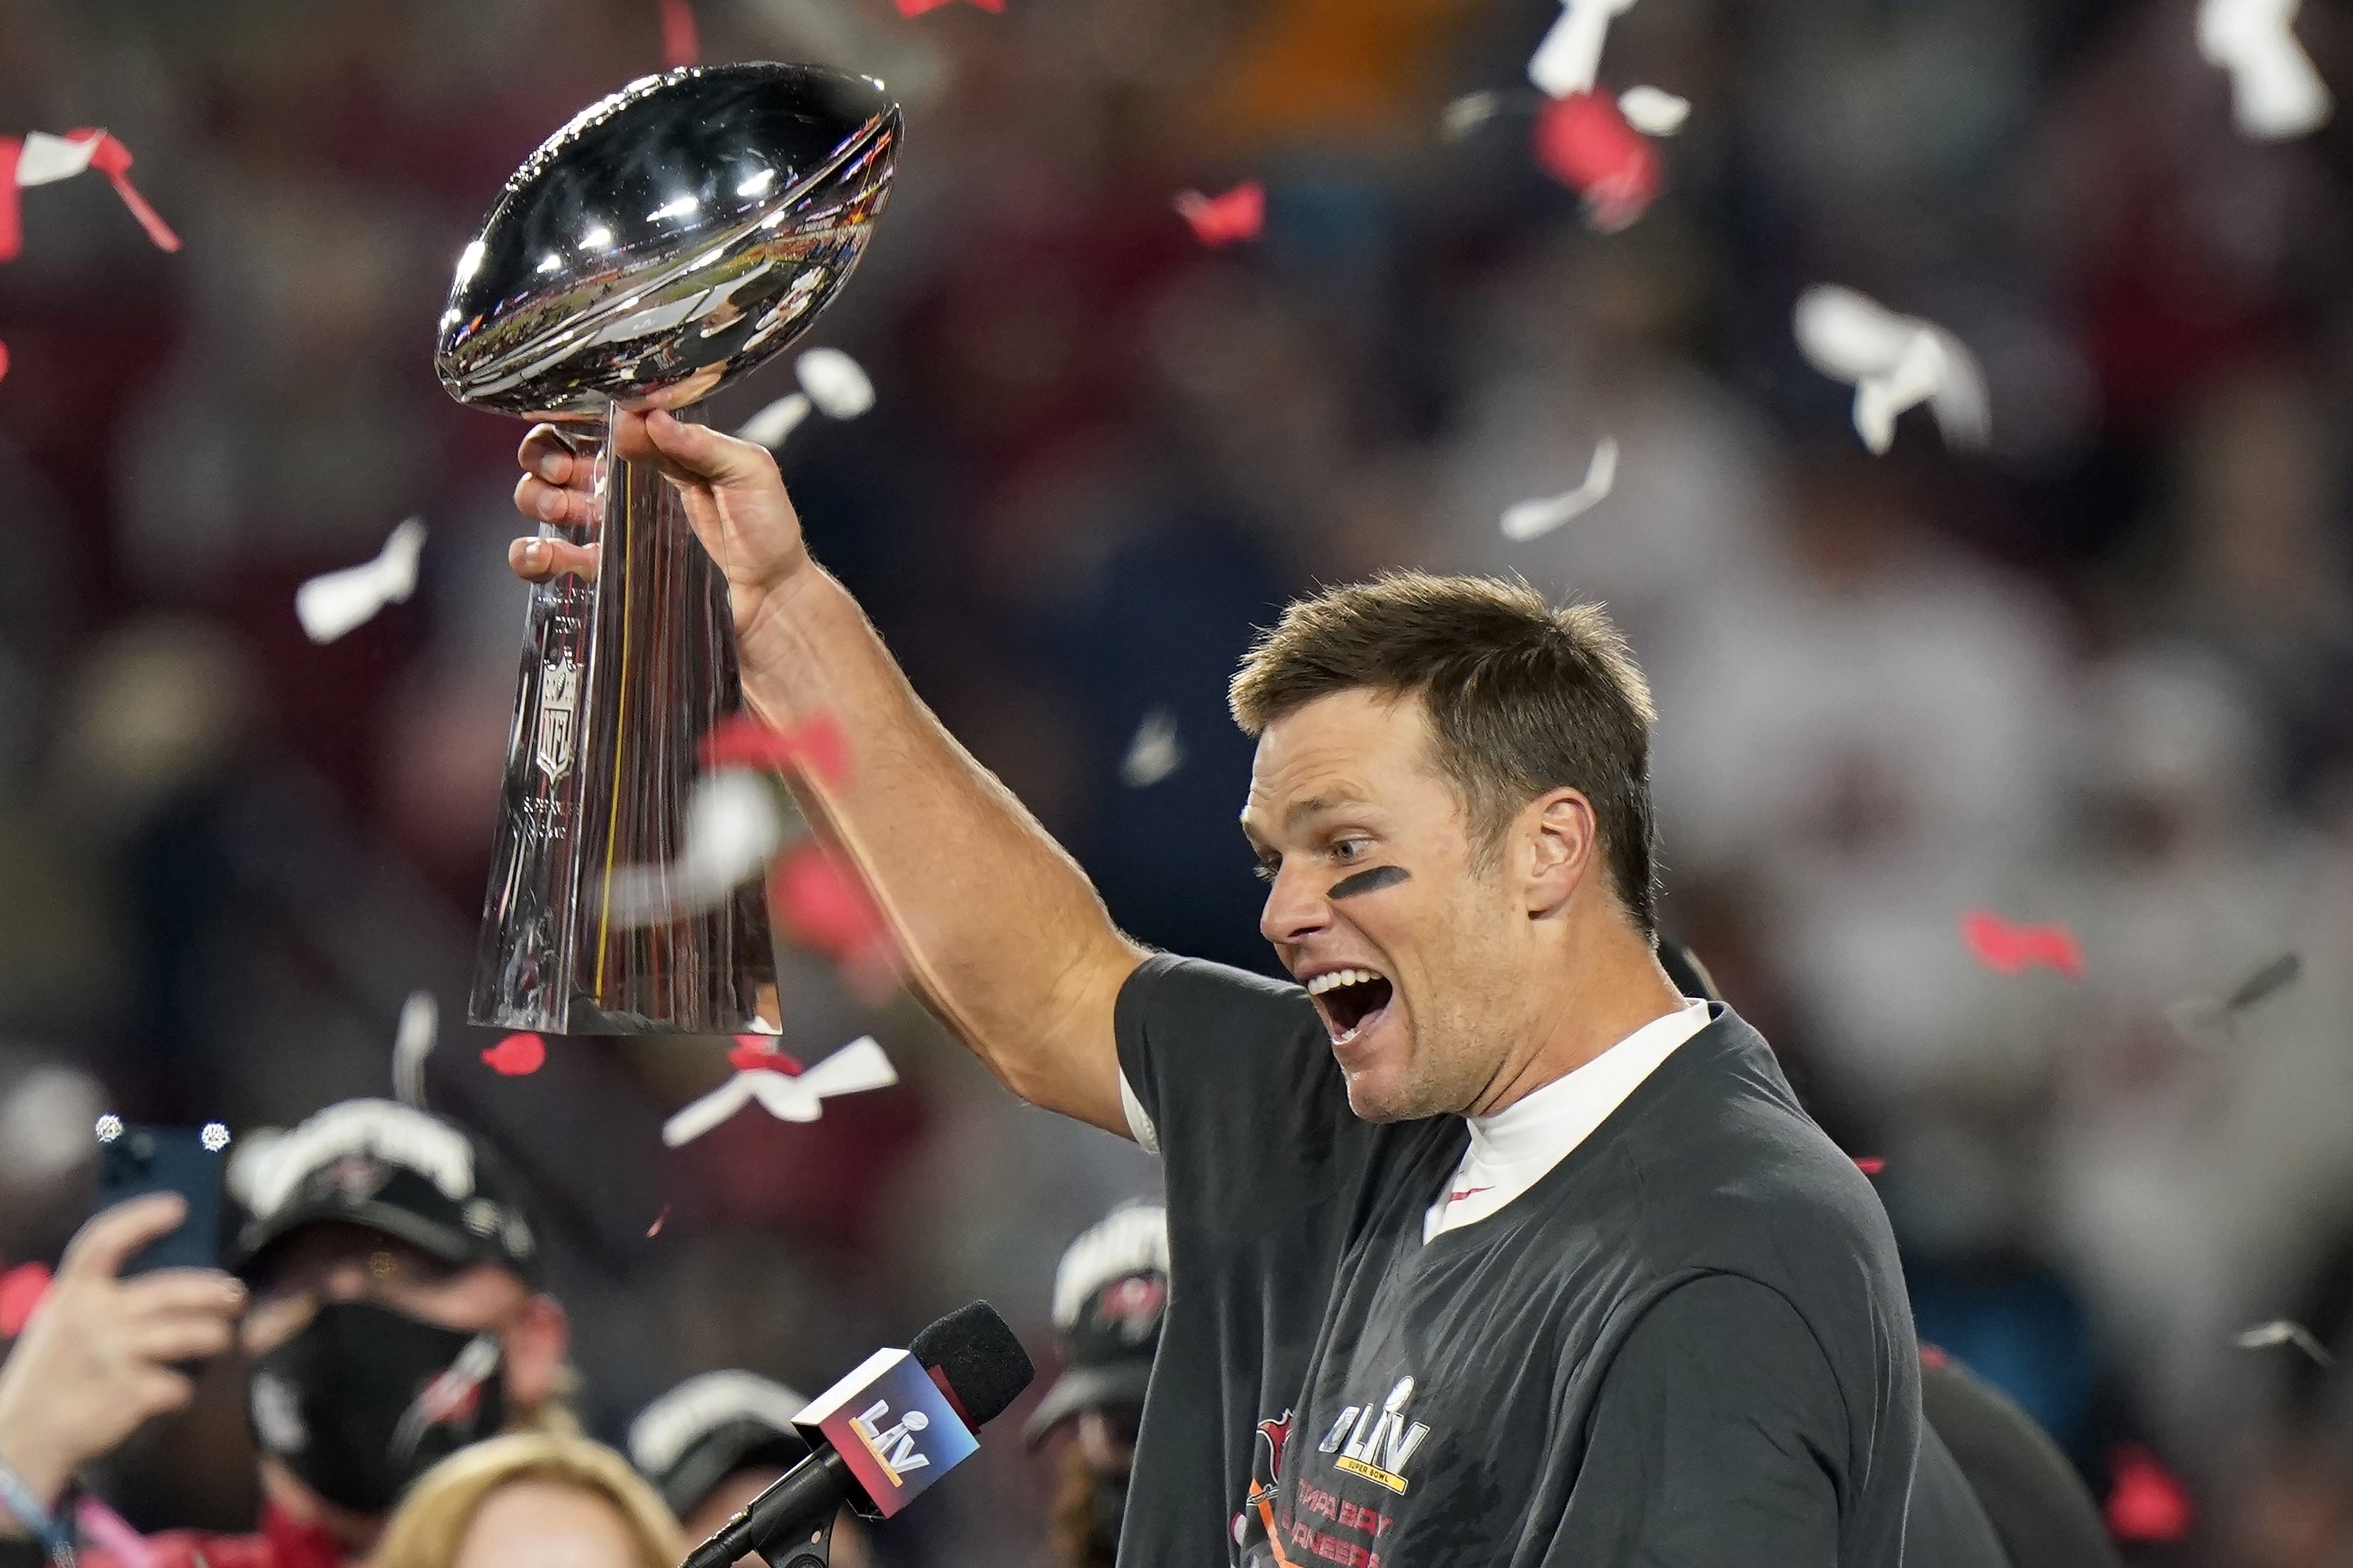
[622, 678]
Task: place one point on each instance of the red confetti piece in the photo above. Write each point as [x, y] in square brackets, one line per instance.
[12, 229]
[2006, 949]
[824, 905]
[1240, 214]
[1934, 1359]
[112, 159]
[654, 1229]
[21, 1289]
[813, 746]
[2146, 1501]
[1583, 141]
[680, 46]
[517, 1055]
[4, 362]
[1870, 1165]
[917, 7]
[758, 1053]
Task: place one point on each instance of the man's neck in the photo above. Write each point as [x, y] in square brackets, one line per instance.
[1607, 985]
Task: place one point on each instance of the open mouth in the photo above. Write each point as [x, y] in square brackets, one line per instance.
[1349, 999]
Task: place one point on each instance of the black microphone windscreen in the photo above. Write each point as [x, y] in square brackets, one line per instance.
[980, 1357]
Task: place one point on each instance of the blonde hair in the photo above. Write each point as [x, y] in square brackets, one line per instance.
[433, 1519]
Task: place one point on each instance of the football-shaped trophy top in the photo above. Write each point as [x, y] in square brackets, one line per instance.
[669, 239]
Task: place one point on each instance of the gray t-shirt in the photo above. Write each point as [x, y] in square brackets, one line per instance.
[1688, 1343]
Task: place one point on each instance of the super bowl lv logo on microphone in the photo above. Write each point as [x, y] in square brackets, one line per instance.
[893, 1426]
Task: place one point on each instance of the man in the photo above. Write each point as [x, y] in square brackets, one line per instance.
[718, 1440]
[386, 1303]
[1639, 1308]
[1111, 1292]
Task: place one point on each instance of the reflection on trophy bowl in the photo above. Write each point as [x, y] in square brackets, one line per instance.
[669, 239]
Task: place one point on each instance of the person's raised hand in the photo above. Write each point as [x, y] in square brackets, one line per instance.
[734, 498]
[95, 1361]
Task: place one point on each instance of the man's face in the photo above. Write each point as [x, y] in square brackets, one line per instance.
[337, 1262]
[1373, 874]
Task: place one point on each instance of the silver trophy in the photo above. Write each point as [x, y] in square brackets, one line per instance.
[666, 241]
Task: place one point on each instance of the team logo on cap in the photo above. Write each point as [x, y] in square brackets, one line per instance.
[1133, 1306]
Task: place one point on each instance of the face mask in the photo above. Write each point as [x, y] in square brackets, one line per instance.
[365, 1399]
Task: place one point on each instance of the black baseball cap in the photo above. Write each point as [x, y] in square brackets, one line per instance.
[415, 1176]
[708, 1427]
[1111, 1294]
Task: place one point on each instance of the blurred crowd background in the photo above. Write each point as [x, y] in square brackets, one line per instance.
[2100, 674]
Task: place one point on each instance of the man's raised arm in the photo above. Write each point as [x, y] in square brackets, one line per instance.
[1006, 939]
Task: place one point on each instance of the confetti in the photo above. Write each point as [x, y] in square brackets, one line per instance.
[517, 1056]
[109, 1128]
[2276, 94]
[1467, 113]
[39, 159]
[1217, 221]
[1896, 362]
[113, 1535]
[1524, 520]
[4, 362]
[2147, 1502]
[917, 7]
[214, 1137]
[755, 1053]
[822, 905]
[813, 746]
[831, 382]
[733, 828]
[412, 1042]
[1154, 753]
[680, 45]
[2279, 1331]
[2008, 949]
[654, 1229]
[1653, 111]
[1566, 61]
[1870, 1165]
[1585, 144]
[2265, 983]
[2202, 1021]
[337, 601]
[856, 1068]
[834, 382]
[21, 1289]
[1934, 1358]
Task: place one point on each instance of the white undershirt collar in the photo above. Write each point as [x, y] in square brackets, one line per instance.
[1511, 1150]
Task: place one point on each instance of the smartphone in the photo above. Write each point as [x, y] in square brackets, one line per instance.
[136, 1161]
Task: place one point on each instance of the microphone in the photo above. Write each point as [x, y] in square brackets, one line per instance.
[881, 1438]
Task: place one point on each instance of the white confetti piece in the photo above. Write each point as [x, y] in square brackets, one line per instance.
[44, 157]
[1653, 111]
[412, 1042]
[856, 1068]
[338, 602]
[1896, 362]
[1467, 113]
[2279, 1331]
[1527, 520]
[109, 1128]
[779, 419]
[2276, 94]
[733, 828]
[1566, 62]
[1155, 753]
[834, 382]
[214, 1137]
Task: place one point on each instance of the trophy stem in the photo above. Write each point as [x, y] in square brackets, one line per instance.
[622, 678]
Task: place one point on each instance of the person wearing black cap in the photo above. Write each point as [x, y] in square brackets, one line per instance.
[718, 1440]
[1111, 1293]
[391, 1314]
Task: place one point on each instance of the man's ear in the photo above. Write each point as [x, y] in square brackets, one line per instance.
[1557, 835]
[536, 1344]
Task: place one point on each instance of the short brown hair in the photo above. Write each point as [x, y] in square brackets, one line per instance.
[1522, 698]
[431, 1522]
